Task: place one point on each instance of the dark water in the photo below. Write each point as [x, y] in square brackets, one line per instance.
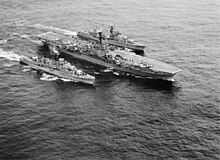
[118, 118]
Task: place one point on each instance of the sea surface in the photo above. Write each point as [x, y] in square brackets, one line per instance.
[44, 118]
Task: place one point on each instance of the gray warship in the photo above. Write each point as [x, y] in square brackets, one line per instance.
[111, 57]
[59, 68]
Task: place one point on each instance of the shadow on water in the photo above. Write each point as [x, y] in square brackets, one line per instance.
[156, 84]
[43, 50]
[68, 84]
[109, 79]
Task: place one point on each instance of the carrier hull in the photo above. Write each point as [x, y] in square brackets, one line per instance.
[133, 72]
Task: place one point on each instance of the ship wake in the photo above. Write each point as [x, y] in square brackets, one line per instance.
[10, 55]
[49, 77]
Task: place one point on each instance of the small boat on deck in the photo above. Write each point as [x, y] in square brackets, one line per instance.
[115, 38]
[59, 68]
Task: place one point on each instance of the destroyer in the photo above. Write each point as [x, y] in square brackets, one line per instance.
[60, 68]
[103, 55]
[115, 38]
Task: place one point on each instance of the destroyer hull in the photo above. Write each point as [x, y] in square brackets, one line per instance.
[133, 72]
[57, 73]
[134, 46]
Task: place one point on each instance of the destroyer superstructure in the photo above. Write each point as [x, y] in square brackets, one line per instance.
[115, 38]
[60, 68]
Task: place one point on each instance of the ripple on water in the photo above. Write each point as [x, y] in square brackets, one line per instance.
[120, 117]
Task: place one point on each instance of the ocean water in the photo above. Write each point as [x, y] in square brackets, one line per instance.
[44, 117]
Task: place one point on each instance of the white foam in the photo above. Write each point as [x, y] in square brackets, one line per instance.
[10, 55]
[8, 64]
[108, 70]
[116, 73]
[21, 23]
[26, 67]
[138, 77]
[47, 77]
[24, 36]
[15, 34]
[65, 80]
[36, 41]
[64, 31]
[26, 70]
[3, 41]
[96, 73]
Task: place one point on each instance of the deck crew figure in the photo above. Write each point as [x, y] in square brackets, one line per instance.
[112, 31]
[100, 35]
